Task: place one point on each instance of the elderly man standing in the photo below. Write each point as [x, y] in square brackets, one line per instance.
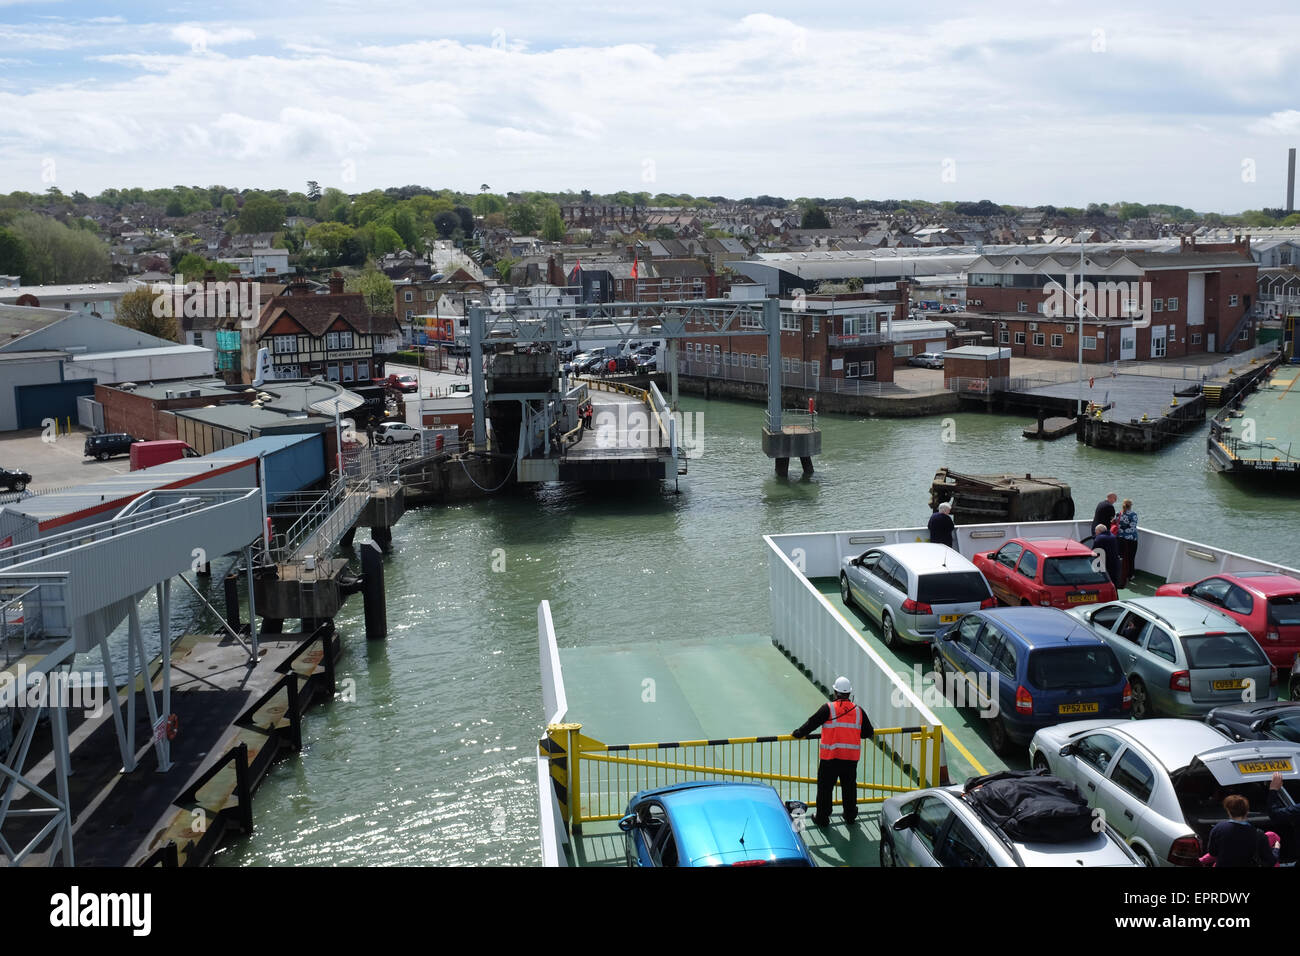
[943, 530]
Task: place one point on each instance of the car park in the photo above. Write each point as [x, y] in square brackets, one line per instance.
[392, 432]
[713, 823]
[1182, 658]
[948, 826]
[1161, 783]
[1264, 603]
[1027, 668]
[927, 360]
[1258, 720]
[108, 444]
[1056, 572]
[13, 480]
[912, 589]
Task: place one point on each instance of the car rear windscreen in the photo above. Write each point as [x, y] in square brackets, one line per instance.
[1233, 649]
[1061, 668]
[1285, 609]
[1076, 569]
[952, 587]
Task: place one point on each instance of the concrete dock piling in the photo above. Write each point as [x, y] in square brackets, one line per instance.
[372, 591]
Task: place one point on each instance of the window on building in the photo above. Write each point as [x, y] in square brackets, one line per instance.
[795, 366]
[1232, 300]
[332, 373]
[1196, 338]
[817, 322]
[785, 364]
[410, 313]
[1157, 305]
[867, 370]
[1040, 308]
[1173, 304]
[428, 295]
[815, 369]
[903, 351]
[1245, 335]
[1004, 337]
[363, 370]
[285, 344]
[790, 322]
[751, 322]
[408, 296]
[1157, 348]
[1039, 338]
[735, 358]
[851, 370]
[1022, 306]
[1020, 338]
[1058, 340]
[347, 371]
[1089, 343]
[763, 360]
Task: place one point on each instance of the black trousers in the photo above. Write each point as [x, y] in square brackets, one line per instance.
[829, 772]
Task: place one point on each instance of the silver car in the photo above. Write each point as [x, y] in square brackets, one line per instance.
[941, 827]
[1161, 783]
[912, 589]
[1183, 659]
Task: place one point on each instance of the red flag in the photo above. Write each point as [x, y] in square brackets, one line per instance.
[576, 269]
[634, 269]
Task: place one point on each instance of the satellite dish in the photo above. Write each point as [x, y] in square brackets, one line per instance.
[436, 277]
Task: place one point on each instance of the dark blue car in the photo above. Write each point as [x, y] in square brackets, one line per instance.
[712, 823]
[1028, 667]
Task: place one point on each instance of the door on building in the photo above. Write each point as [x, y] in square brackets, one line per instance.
[1209, 341]
[57, 400]
[1158, 341]
[1128, 344]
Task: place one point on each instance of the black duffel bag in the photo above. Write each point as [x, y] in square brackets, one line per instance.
[1032, 807]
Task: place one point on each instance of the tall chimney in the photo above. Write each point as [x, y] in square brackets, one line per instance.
[336, 283]
[1290, 180]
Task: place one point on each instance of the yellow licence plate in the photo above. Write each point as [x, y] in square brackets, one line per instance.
[947, 618]
[1081, 708]
[1263, 766]
[1081, 599]
[1237, 684]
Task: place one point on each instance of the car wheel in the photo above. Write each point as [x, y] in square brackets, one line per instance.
[846, 594]
[999, 740]
[1143, 855]
[887, 855]
[19, 485]
[388, 439]
[1040, 762]
[888, 636]
[102, 456]
[1141, 701]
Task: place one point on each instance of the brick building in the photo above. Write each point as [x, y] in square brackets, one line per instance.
[1138, 305]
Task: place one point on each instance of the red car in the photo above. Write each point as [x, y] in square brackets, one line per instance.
[1266, 604]
[1055, 573]
[403, 383]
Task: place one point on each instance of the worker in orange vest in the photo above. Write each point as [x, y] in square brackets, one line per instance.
[844, 726]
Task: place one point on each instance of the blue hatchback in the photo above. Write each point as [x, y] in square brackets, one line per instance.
[1047, 667]
[712, 823]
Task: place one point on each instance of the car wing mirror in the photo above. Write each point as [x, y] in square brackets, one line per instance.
[1068, 750]
[1188, 589]
[905, 822]
[628, 823]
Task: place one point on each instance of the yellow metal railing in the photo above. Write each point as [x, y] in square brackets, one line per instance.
[594, 780]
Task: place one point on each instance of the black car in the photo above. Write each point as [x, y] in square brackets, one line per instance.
[107, 445]
[14, 480]
[1258, 720]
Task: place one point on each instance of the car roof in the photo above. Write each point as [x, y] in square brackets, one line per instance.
[1052, 547]
[1183, 613]
[1268, 583]
[1043, 626]
[1171, 740]
[709, 819]
[924, 558]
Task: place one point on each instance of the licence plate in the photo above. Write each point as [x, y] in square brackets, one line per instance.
[1081, 598]
[1263, 766]
[1237, 684]
[947, 618]
[1080, 708]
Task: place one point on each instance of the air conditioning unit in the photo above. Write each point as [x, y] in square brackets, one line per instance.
[1002, 325]
[1069, 328]
[1033, 326]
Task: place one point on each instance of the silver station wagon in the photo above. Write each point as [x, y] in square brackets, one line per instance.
[1182, 658]
[913, 589]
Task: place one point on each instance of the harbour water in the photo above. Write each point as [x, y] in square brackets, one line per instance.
[426, 756]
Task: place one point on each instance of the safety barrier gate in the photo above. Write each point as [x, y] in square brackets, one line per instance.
[593, 781]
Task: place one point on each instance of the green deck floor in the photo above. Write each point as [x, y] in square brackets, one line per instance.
[1275, 411]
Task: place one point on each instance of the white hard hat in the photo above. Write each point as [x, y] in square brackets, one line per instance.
[842, 686]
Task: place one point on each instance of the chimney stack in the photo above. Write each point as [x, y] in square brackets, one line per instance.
[336, 283]
[1290, 181]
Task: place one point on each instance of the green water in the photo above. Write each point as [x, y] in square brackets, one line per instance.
[433, 762]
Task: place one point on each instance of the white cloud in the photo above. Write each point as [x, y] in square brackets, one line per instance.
[1284, 122]
[199, 38]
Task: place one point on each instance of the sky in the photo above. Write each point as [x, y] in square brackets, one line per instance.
[1190, 102]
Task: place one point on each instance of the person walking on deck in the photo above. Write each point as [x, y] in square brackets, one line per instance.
[844, 726]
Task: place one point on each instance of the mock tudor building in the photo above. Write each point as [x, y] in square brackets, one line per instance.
[330, 335]
[1138, 304]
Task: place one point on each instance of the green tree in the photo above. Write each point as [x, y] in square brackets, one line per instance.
[386, 240]
[261, 213]
[57, 254]
[135, 311]
[466, 219]
[13, 255]
[522, 218]
[229, 203]
[503, 267]
[377, 289]
[313, 190]
[553, 224]
[329, 238]
[663, 232]
[814, 217]
[486, 204]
